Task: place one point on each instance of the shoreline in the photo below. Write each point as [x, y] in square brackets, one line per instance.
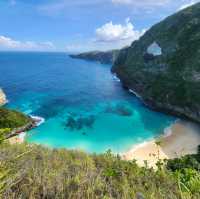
[20, 138]
[180, 139]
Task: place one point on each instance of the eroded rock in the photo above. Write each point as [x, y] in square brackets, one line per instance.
[2, 98]
[154, 49]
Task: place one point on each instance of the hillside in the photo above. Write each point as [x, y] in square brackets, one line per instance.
[103, 57]
[12, 122]
[163, 66]
[12, 119]
[36, 172]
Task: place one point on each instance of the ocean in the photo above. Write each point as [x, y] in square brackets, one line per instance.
[84, 106]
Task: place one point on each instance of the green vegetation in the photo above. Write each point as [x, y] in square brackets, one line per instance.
[170, 81]
[4, 133]
[187, 172]
[31, 171]
[12, 119]
[36, 172]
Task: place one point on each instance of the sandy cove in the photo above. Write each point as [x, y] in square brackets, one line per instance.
[184, 139]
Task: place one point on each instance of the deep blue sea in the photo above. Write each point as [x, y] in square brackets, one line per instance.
[84, 106]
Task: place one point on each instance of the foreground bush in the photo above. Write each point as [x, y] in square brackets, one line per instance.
[36, 172]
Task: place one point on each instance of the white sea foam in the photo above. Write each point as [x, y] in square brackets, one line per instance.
[116, 78]
[39, 120]
[136, 94]
[168, 130]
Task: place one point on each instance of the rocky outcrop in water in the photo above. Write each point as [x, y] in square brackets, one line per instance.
[2, 97]
[80, 122]
[107, 57]
[163, 66]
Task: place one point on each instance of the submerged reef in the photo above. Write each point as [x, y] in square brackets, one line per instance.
[80, 122]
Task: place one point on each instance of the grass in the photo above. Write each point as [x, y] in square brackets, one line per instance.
[36, 172]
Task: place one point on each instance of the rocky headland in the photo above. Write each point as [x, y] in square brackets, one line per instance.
[3, 99]
[163, 66]
[13, 122]
[108, 57]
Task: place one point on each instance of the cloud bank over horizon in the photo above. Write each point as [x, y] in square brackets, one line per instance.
[7, 43]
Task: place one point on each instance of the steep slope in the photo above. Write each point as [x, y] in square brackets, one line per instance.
[12, 119]
[107, 57]
[164, 65]
[12, 122]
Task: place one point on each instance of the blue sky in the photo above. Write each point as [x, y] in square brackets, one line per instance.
[79, 25]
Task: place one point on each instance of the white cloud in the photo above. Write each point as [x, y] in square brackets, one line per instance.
[141, 3]
[110, 32]
[7, 43]
[109, 36]
[190, 3]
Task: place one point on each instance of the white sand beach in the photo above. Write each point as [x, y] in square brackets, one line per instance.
[184, 139]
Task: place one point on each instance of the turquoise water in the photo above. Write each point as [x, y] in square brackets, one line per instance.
[83, 105]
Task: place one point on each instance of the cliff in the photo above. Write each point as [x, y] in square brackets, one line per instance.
[107, 57]
[163, 66]
[13, 119]
[12, 122]
[2, 97]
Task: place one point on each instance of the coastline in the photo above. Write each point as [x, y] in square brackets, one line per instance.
[20, 138]
[179, 139]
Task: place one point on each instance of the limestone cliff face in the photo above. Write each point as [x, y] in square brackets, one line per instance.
[2, 97]
[163, 67]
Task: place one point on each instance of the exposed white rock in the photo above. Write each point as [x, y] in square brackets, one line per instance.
[2, 97]
[154, 49]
